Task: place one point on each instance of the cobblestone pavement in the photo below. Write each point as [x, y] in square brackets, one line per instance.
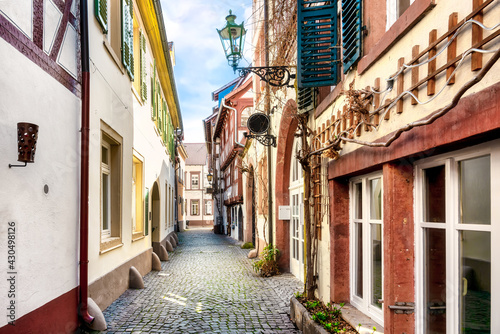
[207, 286]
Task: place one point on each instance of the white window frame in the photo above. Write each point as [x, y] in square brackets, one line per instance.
[453, 229]
[106, 170]
[364, 304]
[392, 12]
[195, 181]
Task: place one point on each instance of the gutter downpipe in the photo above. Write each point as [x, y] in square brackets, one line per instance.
[268, 108]
[84, 177]
[235, 122]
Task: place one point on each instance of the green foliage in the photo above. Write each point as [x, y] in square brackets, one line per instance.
[328, 317]
[312, 303]
[267, 265]
[247, 245]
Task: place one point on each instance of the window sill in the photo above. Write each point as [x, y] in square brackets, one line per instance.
[136, 236]
[330, 98]
[110, 244]
[410, 17]
[360, 321]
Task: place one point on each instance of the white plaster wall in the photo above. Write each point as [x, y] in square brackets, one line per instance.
[47, 225]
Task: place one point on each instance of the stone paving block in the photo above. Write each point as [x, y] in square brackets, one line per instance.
[208, 286]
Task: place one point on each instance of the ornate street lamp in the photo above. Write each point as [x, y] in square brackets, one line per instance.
[232, 37]
[210, 177]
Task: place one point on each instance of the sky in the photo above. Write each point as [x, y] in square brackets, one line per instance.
[200, 64]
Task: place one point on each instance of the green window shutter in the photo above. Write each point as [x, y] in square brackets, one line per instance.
[164, 123]
[153, 92]
[128, 37]
[146, 212]
[144, 87]
[318, 53]
[101, 14]
[160, 117]
[351, 32]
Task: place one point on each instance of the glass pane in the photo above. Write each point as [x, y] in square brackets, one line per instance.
[104, 155]
[475, 191]
[435, 280]
[359, 259]
[435, 195]
[376, 199]
[105, 201]
[475, 273]
[376, 249]
[358, 201]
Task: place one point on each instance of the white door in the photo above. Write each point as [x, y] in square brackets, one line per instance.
[297, 217]
[457, 224]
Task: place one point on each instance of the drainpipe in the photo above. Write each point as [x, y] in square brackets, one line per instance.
[268, 108]
[84, 178]
[235, 123]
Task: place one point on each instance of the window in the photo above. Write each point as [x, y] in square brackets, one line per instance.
[167, 206]
[195, 207]
[111, 188]
[116, 20]
[396, 8]
[456, 211]
[140, 75]
[366, 245]
[195, 181]
[208, 207]
[137, 198]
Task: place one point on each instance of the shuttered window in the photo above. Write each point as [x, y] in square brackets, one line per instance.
[128, 37]
[318, 49]
[351, 32]
[144, 86]
[153, 91]
[101, 14]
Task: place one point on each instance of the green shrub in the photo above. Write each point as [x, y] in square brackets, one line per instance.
[247, 245]
[267, 265]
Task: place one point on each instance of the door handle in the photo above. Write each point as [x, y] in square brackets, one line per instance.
[464, 281]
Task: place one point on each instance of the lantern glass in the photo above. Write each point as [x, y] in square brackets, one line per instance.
[232, 37]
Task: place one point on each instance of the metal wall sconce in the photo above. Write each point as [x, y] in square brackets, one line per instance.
[258, 124]
[27, 136]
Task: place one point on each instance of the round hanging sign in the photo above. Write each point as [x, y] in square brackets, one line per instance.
[258, 123]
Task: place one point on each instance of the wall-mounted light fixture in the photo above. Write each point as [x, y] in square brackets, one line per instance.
[232, 37]
[27, 136]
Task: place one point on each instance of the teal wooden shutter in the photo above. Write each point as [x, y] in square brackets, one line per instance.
[146, 212]
[128, 37]
[305, 100]
[351, 32]
[144, 86]
[317, 43]
[101, 14]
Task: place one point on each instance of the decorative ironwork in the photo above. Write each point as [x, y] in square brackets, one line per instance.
[266, 140]
[277, 76]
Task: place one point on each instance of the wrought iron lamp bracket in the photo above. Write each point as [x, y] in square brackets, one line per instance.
[277, 76]
[266, 140]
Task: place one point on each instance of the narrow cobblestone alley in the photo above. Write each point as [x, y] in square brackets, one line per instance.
[207, 286]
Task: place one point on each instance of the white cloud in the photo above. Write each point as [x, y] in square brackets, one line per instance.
[201, 66]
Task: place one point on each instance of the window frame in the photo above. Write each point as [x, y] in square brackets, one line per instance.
[114, 143]
[364, 303]
[195, 202]
[138, 217]
[453, 228]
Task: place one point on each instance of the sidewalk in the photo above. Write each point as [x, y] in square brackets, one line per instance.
[207, 286]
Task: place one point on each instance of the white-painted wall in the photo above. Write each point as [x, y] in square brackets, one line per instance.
[47, 225]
